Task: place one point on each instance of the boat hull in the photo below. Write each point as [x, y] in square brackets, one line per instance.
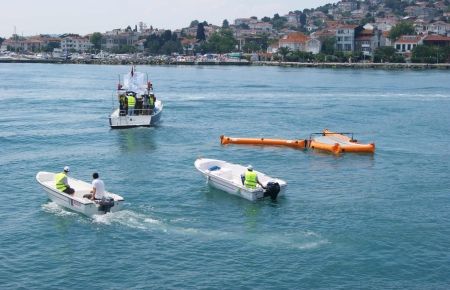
[122, 122]
[228, 179]
[75, 202]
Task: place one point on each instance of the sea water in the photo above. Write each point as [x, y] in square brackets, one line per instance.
[350, 221]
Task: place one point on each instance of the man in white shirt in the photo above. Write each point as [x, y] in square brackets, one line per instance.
[98, 188]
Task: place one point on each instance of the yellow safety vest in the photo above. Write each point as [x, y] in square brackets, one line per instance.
[250, 179]
[131, 101]
[59, 181]
[150, 101]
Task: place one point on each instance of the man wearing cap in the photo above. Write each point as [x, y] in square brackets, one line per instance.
[250, 178]
[61, 181]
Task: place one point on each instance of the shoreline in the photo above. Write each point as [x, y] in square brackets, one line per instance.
[240, 63]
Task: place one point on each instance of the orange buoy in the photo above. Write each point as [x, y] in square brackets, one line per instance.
[298, 144]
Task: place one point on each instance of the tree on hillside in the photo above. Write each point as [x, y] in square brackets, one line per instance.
[194, 23]
[220, 42]
[265, 19]
[225, 24]
[402, 28]
[200, 32]
[167, 43]
[1, 40]
[96, 40]
[303, 19]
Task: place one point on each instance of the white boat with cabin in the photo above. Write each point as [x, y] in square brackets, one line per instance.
[227, 177]
[76, 202]
[136, 84]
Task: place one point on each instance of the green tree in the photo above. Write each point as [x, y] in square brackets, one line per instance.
[328, 45]
[200, 32]
[170, 47]
[225, 24]
[387, 54]
[51, 46]
[265, 19]
[1, 40]
[430, 54]
[194, 23]
[283, 51]
[278, 22]
[220, 42]
[251, 46]
[402, 28]
[96, 40]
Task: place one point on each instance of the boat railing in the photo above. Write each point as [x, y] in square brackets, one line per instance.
[136, 112]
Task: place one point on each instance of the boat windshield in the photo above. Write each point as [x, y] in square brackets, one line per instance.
[135, 82]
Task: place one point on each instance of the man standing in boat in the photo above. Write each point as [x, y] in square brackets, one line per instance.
[98, 188]
[61, 181]
[250, 178]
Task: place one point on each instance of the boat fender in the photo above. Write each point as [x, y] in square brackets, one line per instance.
[106, 203]
[272, 190]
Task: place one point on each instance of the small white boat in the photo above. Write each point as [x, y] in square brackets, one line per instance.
[136, 84]
[77, 202]
[227, 177]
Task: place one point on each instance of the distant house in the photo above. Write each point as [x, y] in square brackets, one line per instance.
[118, 38]
[439, 27]
[436, 40]
[28, 44]
[367, 41]
[299, 42]
[76, 43]
[347, 5]
[189, 45]
[406, 43]
[345, 37]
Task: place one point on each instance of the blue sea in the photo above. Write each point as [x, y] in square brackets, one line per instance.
[353, 221]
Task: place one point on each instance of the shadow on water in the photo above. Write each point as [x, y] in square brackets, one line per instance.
[135, 139]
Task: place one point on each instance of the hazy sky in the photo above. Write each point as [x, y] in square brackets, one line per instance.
[31, 17]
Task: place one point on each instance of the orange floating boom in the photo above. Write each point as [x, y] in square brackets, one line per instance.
[298, 144]
[337, 143]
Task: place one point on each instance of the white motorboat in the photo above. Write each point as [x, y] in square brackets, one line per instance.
[76, 202]
[135, 84]
[227, 177]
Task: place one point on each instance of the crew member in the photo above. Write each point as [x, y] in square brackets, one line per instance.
[131, 103]
[98, 188]
[250, 178]
[61, 181]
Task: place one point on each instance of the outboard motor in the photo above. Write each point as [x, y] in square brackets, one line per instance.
[272, 190]
[106, 204]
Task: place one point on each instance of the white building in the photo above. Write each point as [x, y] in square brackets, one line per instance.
[76, 43]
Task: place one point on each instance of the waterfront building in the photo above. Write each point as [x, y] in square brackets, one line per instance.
[345, 37]
[368, 40]
[76, 43]
[406, 43]
[299, 42]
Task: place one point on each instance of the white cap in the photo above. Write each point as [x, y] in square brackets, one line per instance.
[250, 167]
[66, 168]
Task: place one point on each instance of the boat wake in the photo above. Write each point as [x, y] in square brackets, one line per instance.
[54, 208]
[301, 240]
